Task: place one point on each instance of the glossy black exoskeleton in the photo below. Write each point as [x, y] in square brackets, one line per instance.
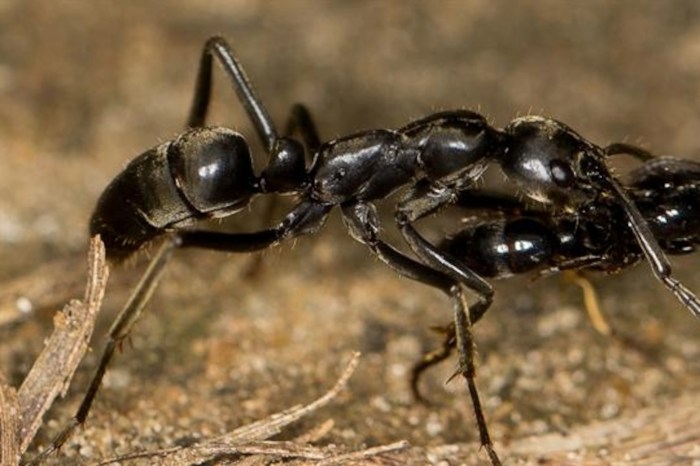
[515, 239]
[207, 172]
[666, 191]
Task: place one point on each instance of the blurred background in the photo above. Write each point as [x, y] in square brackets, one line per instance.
[84, 87]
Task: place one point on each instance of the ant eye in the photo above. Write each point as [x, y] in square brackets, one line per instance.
[340, 174]
[562, 174]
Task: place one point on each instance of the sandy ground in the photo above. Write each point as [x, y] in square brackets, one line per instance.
[85, 88]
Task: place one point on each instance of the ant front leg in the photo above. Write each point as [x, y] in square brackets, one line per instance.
[649, 245]
[660, 266]
[362, 221]
[420, 203]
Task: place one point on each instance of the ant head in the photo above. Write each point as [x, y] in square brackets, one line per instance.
[553, 164]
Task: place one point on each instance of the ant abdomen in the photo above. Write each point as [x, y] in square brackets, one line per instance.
[203, 173]
[667, 191]
[504, 248]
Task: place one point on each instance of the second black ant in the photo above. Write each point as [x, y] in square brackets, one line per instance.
[207, 172]
[506, 238]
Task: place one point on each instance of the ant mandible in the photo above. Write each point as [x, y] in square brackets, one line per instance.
[207, 172]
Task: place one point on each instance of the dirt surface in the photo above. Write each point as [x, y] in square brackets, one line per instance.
[85, 88]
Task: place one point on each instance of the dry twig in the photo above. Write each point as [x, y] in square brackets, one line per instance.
[54, 368]
[252, 440]
[9, 426]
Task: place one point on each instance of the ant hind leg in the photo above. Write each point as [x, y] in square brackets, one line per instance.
[121, 328]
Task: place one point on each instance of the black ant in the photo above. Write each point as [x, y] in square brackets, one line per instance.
[517, 240]
[207, 172]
